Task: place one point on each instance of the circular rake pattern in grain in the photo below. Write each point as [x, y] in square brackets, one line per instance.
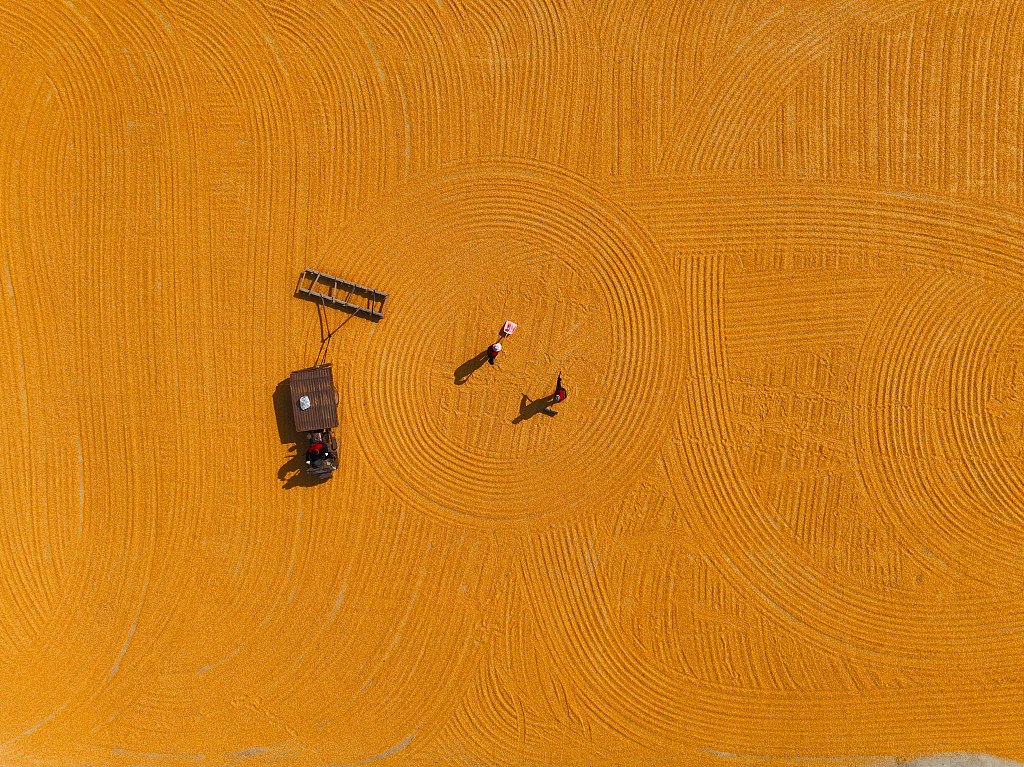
[463, 250]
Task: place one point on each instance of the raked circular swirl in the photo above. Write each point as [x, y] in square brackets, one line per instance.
[516, 241]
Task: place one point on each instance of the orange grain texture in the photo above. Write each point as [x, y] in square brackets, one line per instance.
[776, 250]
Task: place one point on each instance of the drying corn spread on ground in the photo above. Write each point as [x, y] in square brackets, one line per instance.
[776, 249]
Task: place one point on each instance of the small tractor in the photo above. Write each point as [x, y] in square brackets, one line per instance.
[315, 409]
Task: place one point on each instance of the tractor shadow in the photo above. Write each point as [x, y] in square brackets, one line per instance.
[529, 408]
[293, 472]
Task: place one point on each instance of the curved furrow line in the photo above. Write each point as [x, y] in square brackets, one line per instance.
[630, 69]
[934, 231]
[998, 490]
[411, 610]
[627, 691]
[642, 577]
[491, 717]
[630, 72]
[242, 89]
[21, 205]
[515, 711]
[924, 332]
[587, 647]
[89, 618]
[980, 427]
[170, 96]
[38, 146]
[400, 616]
[556, 89]
[29, 589]
[757, 70]
[650, 704]
[151, 85]
[188, 524]
[909, 460]
[341, 82]
[430, 67]
[38, 250]
[649, 52]
[779, 563]
[764, 557]
[919, 103]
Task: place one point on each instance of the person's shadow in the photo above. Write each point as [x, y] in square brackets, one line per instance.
[470, 366]
[529, 408]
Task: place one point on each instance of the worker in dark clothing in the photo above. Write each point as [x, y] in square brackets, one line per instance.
[560, 392]
[492, 351]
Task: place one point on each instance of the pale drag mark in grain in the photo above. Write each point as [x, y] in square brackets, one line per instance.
[387, 753]
[41, 723]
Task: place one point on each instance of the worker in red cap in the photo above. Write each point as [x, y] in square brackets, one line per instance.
[492, 351]
[318, 451]
[560, 392]
[315, 452]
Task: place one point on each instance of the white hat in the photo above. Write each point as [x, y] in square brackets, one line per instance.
[497, 346]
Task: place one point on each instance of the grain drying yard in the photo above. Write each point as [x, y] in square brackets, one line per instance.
[776, 249]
